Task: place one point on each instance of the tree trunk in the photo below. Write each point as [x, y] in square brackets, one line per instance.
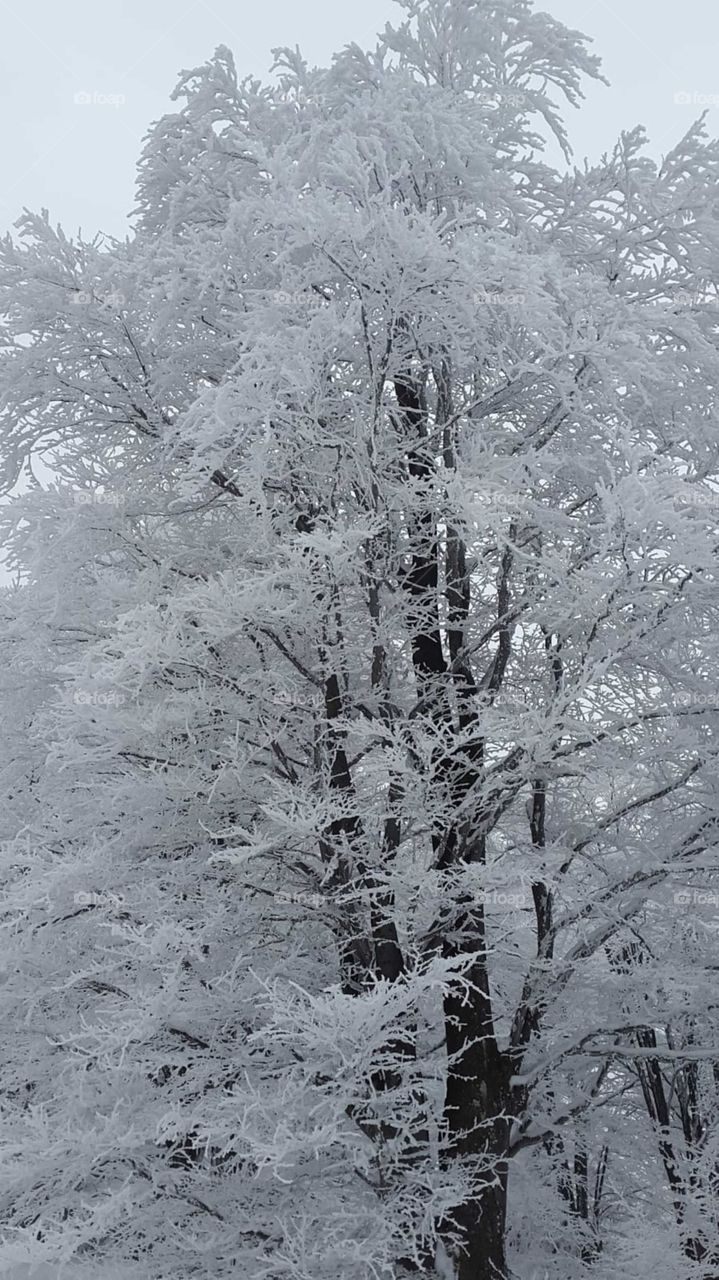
[477, 1113]
[477, 1097]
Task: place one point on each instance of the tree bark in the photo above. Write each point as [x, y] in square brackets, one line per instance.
[477, 1104]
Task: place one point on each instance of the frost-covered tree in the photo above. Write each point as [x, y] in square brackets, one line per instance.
[360, 812]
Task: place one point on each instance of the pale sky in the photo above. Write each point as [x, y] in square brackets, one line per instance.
[78, 158]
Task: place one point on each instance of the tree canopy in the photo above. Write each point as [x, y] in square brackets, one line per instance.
[361, 686]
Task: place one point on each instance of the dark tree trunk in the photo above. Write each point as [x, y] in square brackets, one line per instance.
[477, 1099]
[477, 1111]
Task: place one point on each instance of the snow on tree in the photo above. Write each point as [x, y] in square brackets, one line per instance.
[360, 815]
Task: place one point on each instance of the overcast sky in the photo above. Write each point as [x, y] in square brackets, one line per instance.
[77, 157]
